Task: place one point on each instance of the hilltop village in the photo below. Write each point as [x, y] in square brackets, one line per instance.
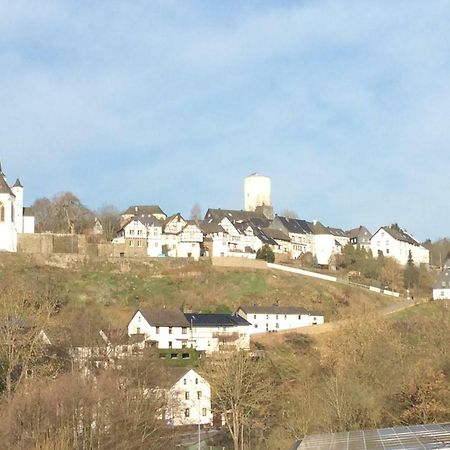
[252, 238]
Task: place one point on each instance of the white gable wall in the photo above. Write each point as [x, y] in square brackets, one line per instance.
[189, 401]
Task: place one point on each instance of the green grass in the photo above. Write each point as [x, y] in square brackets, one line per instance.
[423, 310]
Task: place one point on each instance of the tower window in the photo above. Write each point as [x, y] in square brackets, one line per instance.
[2, 213]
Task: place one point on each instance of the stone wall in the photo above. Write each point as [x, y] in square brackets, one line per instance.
[229, 261]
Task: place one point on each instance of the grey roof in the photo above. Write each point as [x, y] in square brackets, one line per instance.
[165, 318]
[18, 183]
[143, 209]
[443, 281]
[412, 437]
[297, 226]
[337, 232]
[278, 235]
[215, 320]
[318, 228]
[358, 232]
[234, 215]
[209, 226]
[274, 309]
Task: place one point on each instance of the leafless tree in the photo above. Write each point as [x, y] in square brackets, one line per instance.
[196, 212]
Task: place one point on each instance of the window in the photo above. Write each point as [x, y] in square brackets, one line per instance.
[199, 395]
[2, 213]
[299, 317]
[276, 317]
[170, 344]
[131, 243]
[267, 316]
[285, 317]
[131, 232]
[186, 412]
[196, 381]
[204, 412]
[256, 325]
[138, 330]
[184, 330]
[186, 395]
[254, 316]
[170, 330]
[184, 381]
[387, 251]
[277, 325]
[157, 330]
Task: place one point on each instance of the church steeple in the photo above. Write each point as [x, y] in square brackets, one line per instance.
[18, 184]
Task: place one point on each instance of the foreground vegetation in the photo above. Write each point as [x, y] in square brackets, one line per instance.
[373, 371]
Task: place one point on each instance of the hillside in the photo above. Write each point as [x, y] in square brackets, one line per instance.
[115, 289]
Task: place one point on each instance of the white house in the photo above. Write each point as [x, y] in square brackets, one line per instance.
[398, 244]
[276, 318]
[188, 397]
[441, 287]
[190, 240]
[14, 218]
[168, 329]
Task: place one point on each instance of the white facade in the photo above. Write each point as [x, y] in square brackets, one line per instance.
[278, 318]
[154, 241]
[324, 248]
[201, 338]
[441, 289]
[189, 401]
[12, 219]
[257, 192]
[382, 241]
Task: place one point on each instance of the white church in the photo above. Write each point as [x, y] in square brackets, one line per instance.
[14, 217]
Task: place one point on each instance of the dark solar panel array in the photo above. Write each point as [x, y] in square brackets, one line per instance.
[414, 437]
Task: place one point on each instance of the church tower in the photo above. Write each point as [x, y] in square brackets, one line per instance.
[8, 233]
[17, 190]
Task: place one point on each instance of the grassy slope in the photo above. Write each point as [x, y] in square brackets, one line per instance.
[118, 288]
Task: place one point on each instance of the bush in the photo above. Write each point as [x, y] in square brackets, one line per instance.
[265, 253]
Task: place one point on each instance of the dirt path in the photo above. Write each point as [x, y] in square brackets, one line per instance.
[328, 326]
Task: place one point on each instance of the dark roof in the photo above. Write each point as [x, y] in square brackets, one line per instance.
[296, 226]
[28, 211]
[357, 232]
[263, 237]
[432, 436]
[318, 228]
[274, 309]
[165, 318]
[143, 209]
[276, 234]
[337, 232]
[444, 277]
[215, 320]
[18, 183]
[209, 226]
[400, 235]
[234, 215]
[149, 221]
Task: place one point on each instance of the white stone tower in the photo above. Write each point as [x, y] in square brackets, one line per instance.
[257, 192]
[17, 190]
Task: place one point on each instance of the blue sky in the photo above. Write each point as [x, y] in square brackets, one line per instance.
[345, 104]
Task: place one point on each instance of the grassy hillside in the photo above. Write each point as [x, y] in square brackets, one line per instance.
[115, 289]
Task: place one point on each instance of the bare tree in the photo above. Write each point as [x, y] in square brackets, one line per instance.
[240, 390]
[196, 212]
[289, 213]
[24, 311]
[109, 217]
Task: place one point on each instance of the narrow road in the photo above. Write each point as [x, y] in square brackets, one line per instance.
[329, 326]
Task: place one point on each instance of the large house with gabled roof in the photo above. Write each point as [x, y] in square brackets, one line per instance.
[393, 242]
[173, 329]
[265, 319]
[14, 217]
